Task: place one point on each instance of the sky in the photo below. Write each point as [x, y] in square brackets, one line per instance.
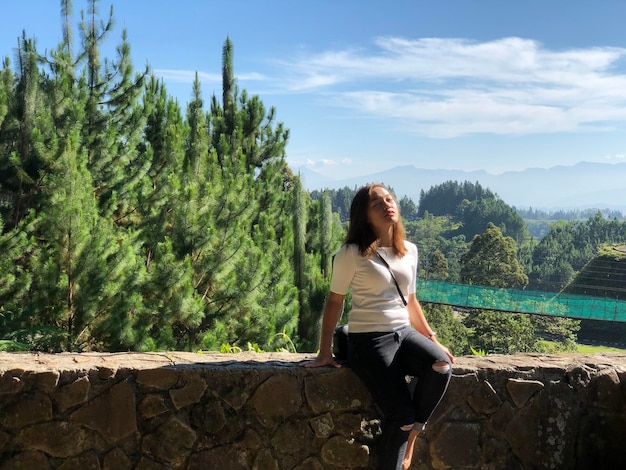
[368, 85]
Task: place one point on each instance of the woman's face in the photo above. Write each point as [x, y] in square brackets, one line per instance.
[382, 210]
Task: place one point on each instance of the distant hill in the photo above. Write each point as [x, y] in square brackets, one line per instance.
[581, 186]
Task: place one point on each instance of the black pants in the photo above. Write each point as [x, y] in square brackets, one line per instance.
[383, 361]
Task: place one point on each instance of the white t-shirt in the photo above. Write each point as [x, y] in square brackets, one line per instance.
[376, 303]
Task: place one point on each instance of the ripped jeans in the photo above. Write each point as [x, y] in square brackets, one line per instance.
[383, 361]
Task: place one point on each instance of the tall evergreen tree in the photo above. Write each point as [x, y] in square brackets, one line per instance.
[85, 269]
[23, 146]
[326, 235]
[114, 117]
[171, 305]
[274, 235]
[241, 122]
[127, 227]
[18, 329]
[306, 326]
[229, 223]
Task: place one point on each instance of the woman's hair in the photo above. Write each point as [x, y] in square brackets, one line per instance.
[361, 233]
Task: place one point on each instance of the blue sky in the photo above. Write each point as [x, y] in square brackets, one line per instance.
[367, 85]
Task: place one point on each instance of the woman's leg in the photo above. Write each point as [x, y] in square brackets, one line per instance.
[374, 358]
[425, 360]
[407, 458]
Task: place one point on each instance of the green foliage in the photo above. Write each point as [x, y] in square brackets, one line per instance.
[408, 209]
[560, 332]
[126, 226]
[12, 346]
[478, 352]
[491, 261]
[226, 348]
[589, 349]
[431, 234]
[450, 330]
[471, 209]
[501, 333]
[288, 345]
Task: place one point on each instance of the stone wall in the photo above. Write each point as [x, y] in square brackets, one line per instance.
[263, 411]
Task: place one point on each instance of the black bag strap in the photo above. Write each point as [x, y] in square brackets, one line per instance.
[392, 277]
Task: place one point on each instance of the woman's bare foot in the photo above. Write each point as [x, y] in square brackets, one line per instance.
[410, 446]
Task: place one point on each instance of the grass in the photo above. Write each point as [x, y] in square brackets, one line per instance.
[589, 349]
[553, 348]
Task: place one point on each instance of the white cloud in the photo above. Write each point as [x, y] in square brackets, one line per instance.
[615, 157]
[321, 163]
[449, 87]
[188, 76]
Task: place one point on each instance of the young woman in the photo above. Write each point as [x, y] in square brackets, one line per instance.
[383, 346]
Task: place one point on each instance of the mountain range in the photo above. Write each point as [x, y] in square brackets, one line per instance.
[581, 186]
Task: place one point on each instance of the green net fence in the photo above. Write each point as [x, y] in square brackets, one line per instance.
[522, 301]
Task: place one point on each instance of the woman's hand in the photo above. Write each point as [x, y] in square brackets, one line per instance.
[445, 349]
[322, 360]
[331, 315]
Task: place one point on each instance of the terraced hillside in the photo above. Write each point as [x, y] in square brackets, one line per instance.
[604, 276]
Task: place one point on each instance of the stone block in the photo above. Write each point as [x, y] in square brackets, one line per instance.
[73, 394]
[340, 390]
[457, 445]
[484, 399]
[112, 414]
[191, 391]
[10, 384]
[47, 381]
[33, 408]
[29, 460]
[152, 405]
[343, 453]
[521, 390]
[162, 378]
[171, 442]
[116, 459]
[226, 457]
[57, 439]
[605, 390]
[323, 425]
[276, 398]
[86, 461]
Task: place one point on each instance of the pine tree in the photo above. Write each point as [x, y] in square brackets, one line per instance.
[114, 118]
[170, 302]
[125, 226]
[299, 259]
[164, 148]
[241, 271]
[23, 157]
[17, 328]
[326, 235]
[273, 233]
[229, 221]
[82, 272]
[86, 269]
[242, 123]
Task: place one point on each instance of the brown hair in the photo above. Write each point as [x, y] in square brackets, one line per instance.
[361, 233]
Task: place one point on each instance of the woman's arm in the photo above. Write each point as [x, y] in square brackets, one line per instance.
[332, 313]
[419, 322]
